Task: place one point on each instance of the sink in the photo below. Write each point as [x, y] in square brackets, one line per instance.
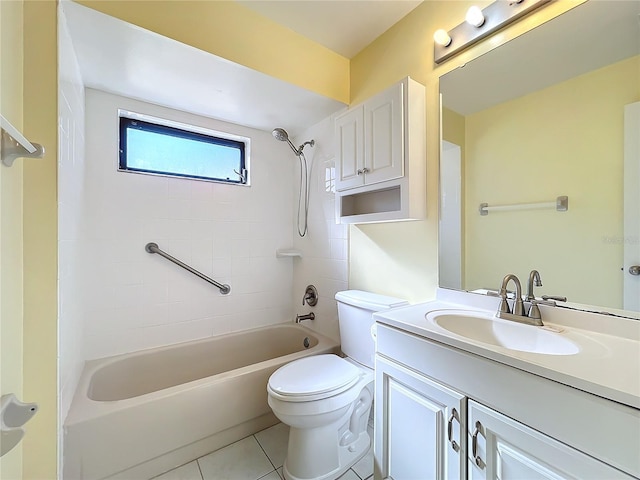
[486, 328]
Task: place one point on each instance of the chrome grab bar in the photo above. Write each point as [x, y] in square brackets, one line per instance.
[153, 248]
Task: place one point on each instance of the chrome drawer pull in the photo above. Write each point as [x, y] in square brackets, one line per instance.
[454, 444]
[474, 446]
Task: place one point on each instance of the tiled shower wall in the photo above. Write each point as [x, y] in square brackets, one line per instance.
[324, 248]
[71, 171]
[130, 299]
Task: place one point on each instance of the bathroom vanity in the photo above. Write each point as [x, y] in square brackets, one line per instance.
[461, 394]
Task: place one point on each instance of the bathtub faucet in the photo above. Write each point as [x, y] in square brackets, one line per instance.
[308, 316]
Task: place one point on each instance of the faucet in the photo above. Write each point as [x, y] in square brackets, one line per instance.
[518, 314]
[534, 280]
[518, 307]
[308, 316]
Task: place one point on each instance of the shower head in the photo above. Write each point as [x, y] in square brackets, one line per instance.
[282, 135]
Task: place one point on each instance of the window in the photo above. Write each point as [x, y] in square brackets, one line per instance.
[177, 150]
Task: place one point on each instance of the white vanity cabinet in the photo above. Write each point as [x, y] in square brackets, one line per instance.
[512, 424]
[503, 449]
[381, 157]
[422, 422]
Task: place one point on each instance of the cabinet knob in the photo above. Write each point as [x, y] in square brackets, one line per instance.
[362, 171]
[634, 269]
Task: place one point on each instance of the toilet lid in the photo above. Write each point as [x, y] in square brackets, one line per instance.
[314, 375]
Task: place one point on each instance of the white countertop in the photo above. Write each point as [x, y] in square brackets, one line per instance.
[607, 365]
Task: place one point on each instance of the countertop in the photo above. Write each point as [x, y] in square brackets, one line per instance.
[607, 364]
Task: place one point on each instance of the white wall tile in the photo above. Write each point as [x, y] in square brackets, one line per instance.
[324, 248]
[228, 232]
[71, 169]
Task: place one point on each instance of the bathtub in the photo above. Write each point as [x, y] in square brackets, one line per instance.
[137, 415]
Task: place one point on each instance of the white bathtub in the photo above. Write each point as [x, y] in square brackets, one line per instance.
[136, 415]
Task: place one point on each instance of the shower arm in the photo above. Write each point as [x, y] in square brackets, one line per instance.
[298, 151]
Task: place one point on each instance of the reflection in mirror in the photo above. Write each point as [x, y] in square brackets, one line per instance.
[540, 117]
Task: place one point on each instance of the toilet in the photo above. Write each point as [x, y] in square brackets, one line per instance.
[326, 399]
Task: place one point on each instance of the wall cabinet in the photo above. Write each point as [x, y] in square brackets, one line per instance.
[381, 157]
[444, 414]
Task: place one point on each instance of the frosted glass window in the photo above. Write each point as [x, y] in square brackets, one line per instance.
[152, 148]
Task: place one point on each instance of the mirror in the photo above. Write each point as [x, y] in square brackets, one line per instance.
[537, 118]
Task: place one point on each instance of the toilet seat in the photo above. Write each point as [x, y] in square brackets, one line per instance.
[313, 378]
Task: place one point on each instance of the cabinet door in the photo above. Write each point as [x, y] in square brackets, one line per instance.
[501, 448]
[418, 426]
[384, 135]
[350, 155]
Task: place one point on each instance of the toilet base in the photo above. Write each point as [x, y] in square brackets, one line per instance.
[348, 456]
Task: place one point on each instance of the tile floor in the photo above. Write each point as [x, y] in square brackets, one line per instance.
[258, 457]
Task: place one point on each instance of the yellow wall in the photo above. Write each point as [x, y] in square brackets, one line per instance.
[379, 253]
[563, 140]
[453, 127]
[234, 32]
[40, 238]
[11, 51]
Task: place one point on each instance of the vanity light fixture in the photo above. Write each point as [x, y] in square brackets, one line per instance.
[479, 24]
[474, 17]
[441, 37]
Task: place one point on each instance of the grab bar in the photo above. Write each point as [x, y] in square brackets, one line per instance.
[153, 248]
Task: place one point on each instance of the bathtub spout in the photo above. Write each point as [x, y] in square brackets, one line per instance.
[308, 316]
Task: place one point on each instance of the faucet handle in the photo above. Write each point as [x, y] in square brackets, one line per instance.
[534, 311]
[310, 296]
[554, 297]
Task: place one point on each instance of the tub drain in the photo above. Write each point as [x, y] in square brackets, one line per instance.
[306, 342]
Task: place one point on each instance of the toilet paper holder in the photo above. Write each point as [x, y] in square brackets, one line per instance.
[13, 415]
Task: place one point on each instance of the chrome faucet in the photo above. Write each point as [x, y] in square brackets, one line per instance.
[308, 316]
[518, 314]
[534, 280]
[518, 306]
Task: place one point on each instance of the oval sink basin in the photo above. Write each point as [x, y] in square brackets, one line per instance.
[488, 329]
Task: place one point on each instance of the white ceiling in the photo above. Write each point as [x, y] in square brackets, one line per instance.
[345, 26]
[124, 59]
[121, 58]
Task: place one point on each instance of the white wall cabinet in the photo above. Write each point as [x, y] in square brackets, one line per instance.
[535, 429]
[350, 155]
[381, 157]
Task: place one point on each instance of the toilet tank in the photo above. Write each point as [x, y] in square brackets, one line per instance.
[355, 317]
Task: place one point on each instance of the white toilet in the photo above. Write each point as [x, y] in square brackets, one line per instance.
[326, 399]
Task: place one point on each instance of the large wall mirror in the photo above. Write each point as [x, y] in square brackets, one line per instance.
[540, 117]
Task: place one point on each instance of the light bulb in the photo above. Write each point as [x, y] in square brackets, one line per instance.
[441, 37]
[474, 16]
